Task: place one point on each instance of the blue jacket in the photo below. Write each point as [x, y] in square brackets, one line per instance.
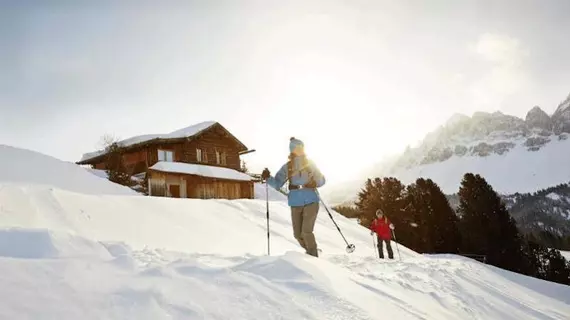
[299, 197]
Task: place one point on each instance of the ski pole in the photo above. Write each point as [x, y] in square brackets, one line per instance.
[396, 241]
[267, 207]
[349, 247]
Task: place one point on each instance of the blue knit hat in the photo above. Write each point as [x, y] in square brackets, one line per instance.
[294, 143]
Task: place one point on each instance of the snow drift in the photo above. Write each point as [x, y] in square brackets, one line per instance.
[26, 167]
[74, 255]
[262, 192]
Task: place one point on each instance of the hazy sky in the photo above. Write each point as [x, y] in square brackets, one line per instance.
[356, 80]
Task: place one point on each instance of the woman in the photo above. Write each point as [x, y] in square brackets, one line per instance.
[381, 225]
[304, 178]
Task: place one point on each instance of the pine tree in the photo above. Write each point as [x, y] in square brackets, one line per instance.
[243, 168]
[115, 166]
[347, 211]
[437, 230]
[443, 221]
[369, 200]
[558, 269]
[544, 263]
[533, 264]
[486, 225]
[418, 239]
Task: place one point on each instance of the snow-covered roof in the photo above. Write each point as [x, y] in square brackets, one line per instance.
[201, 170]
[182, 133]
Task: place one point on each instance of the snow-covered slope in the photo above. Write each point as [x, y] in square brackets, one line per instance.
[518, 170]
[29, 167]
[72, 255]
[262, 193]
[114, 257]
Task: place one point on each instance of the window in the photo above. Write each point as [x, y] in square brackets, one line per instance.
[217, 157]
[224, 158]
[199, 155]
[165, 155]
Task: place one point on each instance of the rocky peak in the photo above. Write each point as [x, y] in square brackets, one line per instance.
[561, 117]
[536, 117]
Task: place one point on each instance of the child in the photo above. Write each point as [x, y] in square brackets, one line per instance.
[381, 225]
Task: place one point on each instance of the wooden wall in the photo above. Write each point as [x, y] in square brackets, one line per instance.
[207, 188]
[209, 142]
[199, 187]
[161, 184]
[100, 166]
[135, 161]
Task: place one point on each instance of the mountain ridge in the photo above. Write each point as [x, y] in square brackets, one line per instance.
[465, 143]
[486, 133]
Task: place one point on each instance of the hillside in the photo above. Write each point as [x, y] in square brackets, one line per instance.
[545, 214]
[65, 254]
[545, 210]
[513, 154]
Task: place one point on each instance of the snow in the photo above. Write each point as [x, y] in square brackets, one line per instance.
[181, 133]
[565, 254]
[518, 170]
[30, 167]
[554, 196]
[261, 193]
[201, 170]
[43, 243]
[98, 172]
[65, 254]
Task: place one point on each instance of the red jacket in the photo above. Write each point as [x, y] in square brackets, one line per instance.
[382, 228]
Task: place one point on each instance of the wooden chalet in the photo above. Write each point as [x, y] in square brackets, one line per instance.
[201, 161]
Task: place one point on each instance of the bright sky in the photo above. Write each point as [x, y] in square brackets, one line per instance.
[356, 80]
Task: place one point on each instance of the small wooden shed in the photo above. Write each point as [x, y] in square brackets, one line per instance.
[186, 180]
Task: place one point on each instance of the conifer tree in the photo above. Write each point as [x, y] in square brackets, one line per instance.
[350, 212]
[487, 227]
[557, 269]
[443, 221]
[437, 224]
[419, 239]
[115, 166]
